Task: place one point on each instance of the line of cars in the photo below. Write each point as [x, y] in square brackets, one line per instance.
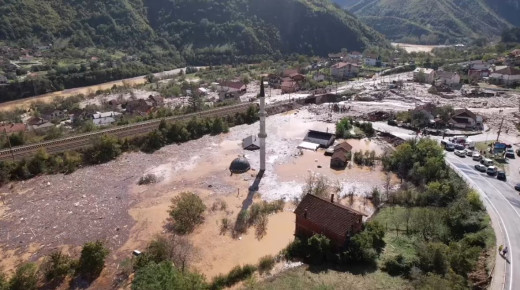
[485, 165]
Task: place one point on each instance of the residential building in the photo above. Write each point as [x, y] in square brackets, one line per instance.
[355, 55]
[447, 78]
[139, 107]
[316, 215]
[508, 76]
[105, 118]
[465, 119]
[11, 128]
[324, 139]
[289, 86]
[343, 70]
[339, 159]
[231, 90]
[372, 60]
[424, 75]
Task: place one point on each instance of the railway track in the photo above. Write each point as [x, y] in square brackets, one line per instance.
[86, 140]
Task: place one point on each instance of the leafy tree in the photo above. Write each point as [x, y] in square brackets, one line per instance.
[25, 278]
[187, 211]
[164, 276]
[150, 78]
[105, 149]
[92, 259]
[57, 266]
[3, 282]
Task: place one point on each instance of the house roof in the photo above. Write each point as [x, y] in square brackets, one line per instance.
[343, 146]
[424, 70]
[340, 65]
[464, 113]
[510, 71]
[355, 53]
[237, 85]
[289, 72]
[157, 99]
[445, 74]
[12, 128]
[103, 121]
[35, 121]
[339, 154]
[334, 217]
[322, 138]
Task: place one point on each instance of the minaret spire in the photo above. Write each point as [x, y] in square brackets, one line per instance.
[262, 134]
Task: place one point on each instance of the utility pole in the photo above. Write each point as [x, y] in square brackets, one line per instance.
[500, 128]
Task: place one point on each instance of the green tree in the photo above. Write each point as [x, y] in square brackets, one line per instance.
[25, 277]
[57, 266]
[187, 211]
[164, 276]
[3, 282]
[92, 259]
[105, 149]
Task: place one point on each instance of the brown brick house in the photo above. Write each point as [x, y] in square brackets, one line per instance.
[316, 215]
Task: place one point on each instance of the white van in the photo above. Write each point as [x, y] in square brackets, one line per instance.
[487, 162]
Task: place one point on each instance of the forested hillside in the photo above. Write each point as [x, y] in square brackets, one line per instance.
[438, 21]
[212, 29]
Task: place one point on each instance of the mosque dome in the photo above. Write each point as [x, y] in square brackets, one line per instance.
[239, 165]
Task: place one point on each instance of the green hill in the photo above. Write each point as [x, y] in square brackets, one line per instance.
[436, 21]
[201, 30]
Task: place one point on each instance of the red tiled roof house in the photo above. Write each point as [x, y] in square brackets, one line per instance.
[316, 215]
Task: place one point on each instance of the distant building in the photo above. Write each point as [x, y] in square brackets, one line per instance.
[323, 139]
[447, 78]
[157, 101]
[343, 70]
[316, 215]
[372, 60]
[12, 128]
[465, 119]
[105, 118]
[251, 143]
[508, 76]
[339, 159]
[231, 90]
[424, 75]
[289, 86]
[139, 107]
[355, 55]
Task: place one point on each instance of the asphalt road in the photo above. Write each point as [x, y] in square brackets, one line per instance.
[504, 200]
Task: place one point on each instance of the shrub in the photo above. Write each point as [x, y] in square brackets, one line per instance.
[57, 266]
[296, 249]
[224, 225]
[234, 276]
[187, 212]
[92, 259]
[165, 276]
[397, 265]
[266, 264]
[147, 179]
[25, 278]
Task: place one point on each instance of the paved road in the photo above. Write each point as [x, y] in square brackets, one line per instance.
[504, 200]
[501, 199]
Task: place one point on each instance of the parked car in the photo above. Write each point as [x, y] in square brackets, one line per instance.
[449, 147]
[501, 175]
[460, 153]
[510, 153]
[491, 170]
[486, 161]
[517, 186]
[459, 147]
[468, 152]
[480, 167]
[476, 156]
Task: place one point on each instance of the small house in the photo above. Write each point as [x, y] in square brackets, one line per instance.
[251, 143]
[316, 215]
[465, 119]
[508, 76]
[372, 60]
[323, 139]
[447, 78]
[289, 86]
[157, 101]
[231, 90]
[105, 118]
[339, 160]
[343, 70]
[424, 75]
[12, 128]
[139, 107]
[355, 55]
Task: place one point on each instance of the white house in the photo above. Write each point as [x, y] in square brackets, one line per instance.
[447, 78]
[424, 75]
[344, 70]
[507, 76]
[370, 60]
[105, 118]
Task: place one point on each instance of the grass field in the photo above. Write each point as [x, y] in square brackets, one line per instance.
[324, 279]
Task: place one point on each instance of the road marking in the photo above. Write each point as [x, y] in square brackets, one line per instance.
[499, 216]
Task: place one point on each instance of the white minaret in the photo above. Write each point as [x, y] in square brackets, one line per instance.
[262, 135]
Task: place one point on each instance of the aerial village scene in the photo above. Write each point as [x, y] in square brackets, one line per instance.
[253, 177]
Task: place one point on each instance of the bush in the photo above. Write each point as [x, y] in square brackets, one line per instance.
[266, 263]
[3, 282]
[92, 259]
[147, 179]
[234, 276]
[187, 212]
[397, 265]
[165, 276]
[57, 266]
[25, 278]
